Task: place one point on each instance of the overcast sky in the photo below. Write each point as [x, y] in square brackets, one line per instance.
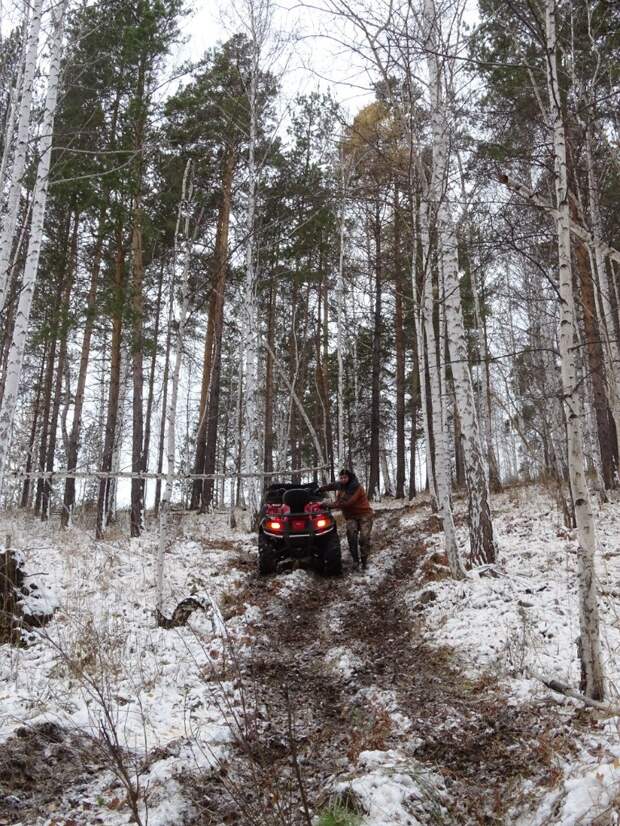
[310, 62]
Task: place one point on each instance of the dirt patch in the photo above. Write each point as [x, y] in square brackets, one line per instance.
[310, 721]
[38, 765]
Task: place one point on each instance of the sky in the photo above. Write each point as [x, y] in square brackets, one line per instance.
[309, 62]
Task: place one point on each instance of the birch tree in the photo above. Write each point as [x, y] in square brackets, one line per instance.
[588, 598]
[256, 18]
[39, 203]
[440, 78]
[183, 258]
[7, 235]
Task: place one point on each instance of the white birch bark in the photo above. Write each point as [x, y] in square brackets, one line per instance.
[442, 469]
[171, 410]
[590, 650]
[340, 293]
[251, 332]
[7, 235]
[39, 201]
[257, 23]
[480, 525]
[422, 361]
[9, 132]
[121, 410]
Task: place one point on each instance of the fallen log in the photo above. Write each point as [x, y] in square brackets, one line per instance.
[181, 613]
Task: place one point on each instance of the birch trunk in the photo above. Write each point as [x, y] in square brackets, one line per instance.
[10, 128]
[340, 293]
[374, 485]
[589, 648]
[18, 343]
[251, 332]
[494, 479]
[171, 410]
[482, 546]
[442, 472]
[7, 234]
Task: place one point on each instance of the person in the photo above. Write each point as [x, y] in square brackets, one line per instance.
[352, 500]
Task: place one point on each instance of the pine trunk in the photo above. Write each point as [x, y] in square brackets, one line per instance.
[221, 269]
[78, 404]
[110, 436]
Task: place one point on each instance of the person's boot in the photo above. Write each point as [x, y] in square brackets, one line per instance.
[354, 551]
[364, 555]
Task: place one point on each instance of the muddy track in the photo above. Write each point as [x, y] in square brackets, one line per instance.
[467, 732]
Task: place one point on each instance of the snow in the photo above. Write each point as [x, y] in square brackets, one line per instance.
[170, 693]
[523, 622]
[103, 649]
[394, 789]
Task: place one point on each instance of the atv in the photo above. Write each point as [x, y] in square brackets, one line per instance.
[293, 524]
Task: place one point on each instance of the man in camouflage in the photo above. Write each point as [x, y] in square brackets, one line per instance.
[352, 500]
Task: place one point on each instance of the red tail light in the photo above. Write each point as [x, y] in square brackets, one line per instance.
[273, 525]
[321, 522]
[298, 524]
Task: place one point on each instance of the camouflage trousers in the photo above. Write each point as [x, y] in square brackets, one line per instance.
[358, 537]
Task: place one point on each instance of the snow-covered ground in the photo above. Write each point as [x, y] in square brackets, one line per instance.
[522, 624]
[103, 660]
[169, 696]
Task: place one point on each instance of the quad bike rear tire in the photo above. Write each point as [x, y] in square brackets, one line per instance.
[267, 559]
[331, 558]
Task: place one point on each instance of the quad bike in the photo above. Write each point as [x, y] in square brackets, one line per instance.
[295, 525]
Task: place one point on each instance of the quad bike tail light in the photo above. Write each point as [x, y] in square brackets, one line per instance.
[274, 525]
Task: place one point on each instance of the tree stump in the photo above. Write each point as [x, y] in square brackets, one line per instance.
[11, 583]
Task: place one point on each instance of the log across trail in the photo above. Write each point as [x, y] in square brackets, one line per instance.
[345, 701]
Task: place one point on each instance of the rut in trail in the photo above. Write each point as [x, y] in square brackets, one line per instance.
[466, 732]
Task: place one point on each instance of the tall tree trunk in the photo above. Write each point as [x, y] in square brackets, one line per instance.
[377, 347]
[27, 486]
[609, 320]
[594, 350]
[171, 410]
[590, 649]
[269, 389]
[221, 269]
[7, 235]
[18, 344]
[137, 353]
[482, 545]
[115, 383]
[153, 367]
[69, 277]
[415, 405]
[487, 421]
[47, 405]
[442, 472]
[80, 391]
[399, 341]
[164, 401]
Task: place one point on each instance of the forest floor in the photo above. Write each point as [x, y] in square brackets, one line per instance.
[396, 696]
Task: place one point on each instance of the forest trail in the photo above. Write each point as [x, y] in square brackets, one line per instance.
[350, 656]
